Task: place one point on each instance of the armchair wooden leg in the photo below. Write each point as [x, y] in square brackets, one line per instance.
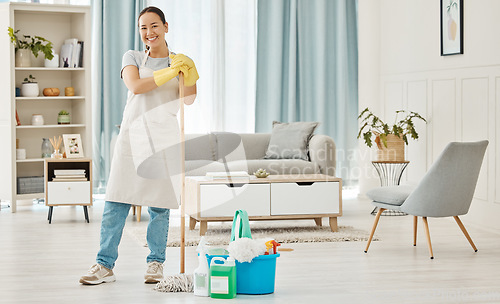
[415, 220]
[462, 227]
[426, 227]
[375, 223]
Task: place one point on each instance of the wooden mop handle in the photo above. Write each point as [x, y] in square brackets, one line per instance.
[183, 170]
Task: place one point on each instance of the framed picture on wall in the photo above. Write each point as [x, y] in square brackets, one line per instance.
[452, 27]
[73, 145]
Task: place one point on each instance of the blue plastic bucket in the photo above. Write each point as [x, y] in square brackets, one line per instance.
[256, 277]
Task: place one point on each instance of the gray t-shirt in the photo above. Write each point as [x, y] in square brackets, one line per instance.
[136, 57]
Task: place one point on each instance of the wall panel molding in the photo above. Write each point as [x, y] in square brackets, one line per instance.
[474, 122]
[496, 142]
[460, 105]
[416, 101]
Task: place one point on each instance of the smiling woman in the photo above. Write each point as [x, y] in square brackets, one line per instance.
[145, 167]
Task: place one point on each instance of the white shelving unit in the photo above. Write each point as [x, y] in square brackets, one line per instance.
[55, 23]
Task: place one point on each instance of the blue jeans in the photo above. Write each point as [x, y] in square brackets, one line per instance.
[113, 221]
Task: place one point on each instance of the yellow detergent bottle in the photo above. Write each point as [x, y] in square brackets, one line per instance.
[222, 278]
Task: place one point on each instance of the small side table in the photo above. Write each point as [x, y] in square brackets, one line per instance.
[69, 191]
[390, 173]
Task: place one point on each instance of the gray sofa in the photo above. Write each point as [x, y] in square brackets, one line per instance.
[222, 151]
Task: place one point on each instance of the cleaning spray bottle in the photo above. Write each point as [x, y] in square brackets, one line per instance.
[201, 272]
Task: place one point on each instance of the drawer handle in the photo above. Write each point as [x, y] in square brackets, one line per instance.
[231, 185]
[69, 188]
[304, 183]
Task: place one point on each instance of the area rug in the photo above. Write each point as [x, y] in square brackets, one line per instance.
[220, 233]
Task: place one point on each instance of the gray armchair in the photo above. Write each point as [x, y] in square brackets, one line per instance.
[446, 190]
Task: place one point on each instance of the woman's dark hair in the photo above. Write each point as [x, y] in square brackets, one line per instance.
[153, 9]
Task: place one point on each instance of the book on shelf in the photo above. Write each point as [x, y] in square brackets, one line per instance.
[64, 179]
[18, 121]
[80, 54]
[61, 172]
[71, 53]
[71, 176]
[66, 54]
[228, 175]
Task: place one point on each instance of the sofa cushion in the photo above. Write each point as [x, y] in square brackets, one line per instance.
[255, 144]
[201, 167]
[200, 146]
[290, 140]
[241, 146]
[233, 146]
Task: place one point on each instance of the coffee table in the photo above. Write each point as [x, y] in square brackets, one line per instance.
[277, 197]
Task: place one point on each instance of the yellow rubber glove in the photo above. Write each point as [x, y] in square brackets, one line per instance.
[184, 69]
[162, 76]
[191, 77]
[181, 60]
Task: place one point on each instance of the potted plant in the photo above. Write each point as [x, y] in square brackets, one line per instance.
[63, 117]
[27, 43]
[29, 87]
[390, 139]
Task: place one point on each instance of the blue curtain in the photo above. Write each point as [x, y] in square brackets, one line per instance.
[307, 69]
[114, 31]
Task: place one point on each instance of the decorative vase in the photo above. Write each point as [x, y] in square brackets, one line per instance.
[395, 150]
[57, 154]
[53, 63]
[37, 120]
[23, 58]
[30, 89]
[63, 119]
[69, 91]
[46, 148]
[51, 92]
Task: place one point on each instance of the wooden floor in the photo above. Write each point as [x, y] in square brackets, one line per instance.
[41, 263]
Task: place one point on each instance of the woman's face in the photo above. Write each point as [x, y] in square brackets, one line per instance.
[152, 30]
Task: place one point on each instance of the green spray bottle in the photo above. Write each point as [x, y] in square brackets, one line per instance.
[223, 278]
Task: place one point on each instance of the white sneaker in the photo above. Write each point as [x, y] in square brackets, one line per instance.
[98, 274]
[154, 274]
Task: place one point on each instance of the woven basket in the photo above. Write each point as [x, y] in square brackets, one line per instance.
[395, 150]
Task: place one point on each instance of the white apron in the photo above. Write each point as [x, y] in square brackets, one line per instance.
[145, 168]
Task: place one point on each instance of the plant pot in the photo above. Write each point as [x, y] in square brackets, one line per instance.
[63, 119]
[23, 58]
[395, 150]
[54, 63]
[30, 89]
[37, 120]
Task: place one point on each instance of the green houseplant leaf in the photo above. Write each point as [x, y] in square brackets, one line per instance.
[36, 44]
[372, 124]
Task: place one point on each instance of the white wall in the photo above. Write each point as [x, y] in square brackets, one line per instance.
[459, 94]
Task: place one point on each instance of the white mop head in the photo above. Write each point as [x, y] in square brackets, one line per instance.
[245, 249]
[176, 283]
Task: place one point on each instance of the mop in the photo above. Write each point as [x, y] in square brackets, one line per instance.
[180, 282]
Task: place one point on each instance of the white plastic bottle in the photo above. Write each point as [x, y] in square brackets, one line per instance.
[201, 275]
